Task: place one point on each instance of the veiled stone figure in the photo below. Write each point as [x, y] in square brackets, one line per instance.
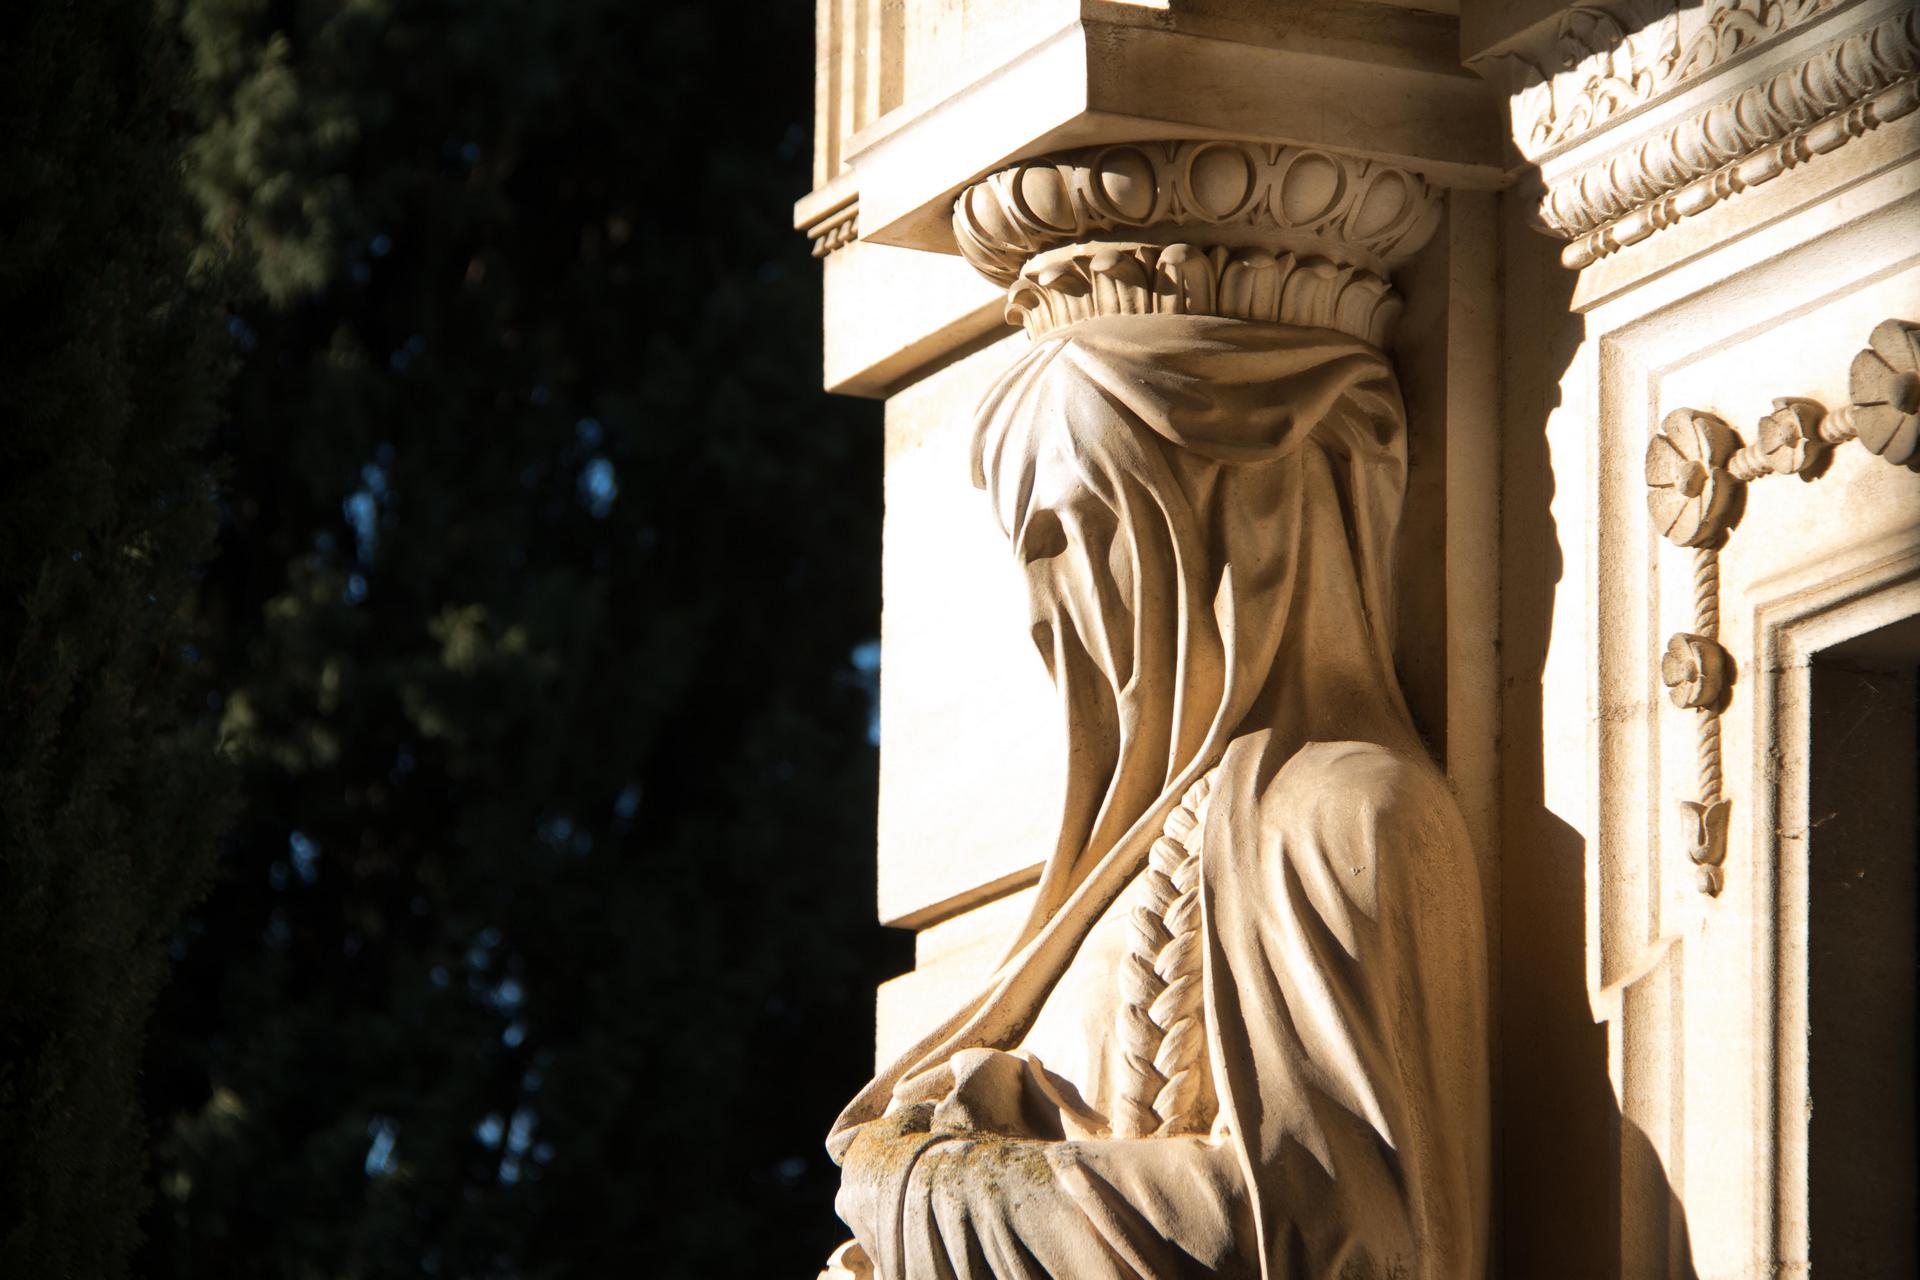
[1243, 1031]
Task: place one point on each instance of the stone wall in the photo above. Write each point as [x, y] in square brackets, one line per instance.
[1660, 412]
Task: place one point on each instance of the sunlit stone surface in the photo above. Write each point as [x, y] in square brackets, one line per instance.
[1402, 604]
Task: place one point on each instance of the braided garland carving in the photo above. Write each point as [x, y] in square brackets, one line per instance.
[1167, 1088]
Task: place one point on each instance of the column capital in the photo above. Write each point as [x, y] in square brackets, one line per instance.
[1250, 230]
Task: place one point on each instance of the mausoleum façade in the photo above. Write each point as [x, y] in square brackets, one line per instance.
[1401, 575]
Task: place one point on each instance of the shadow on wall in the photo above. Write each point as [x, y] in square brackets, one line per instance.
[1581, 1192]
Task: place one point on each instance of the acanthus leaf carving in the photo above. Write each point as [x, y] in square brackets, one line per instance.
[1600, 61]
[1066, 285]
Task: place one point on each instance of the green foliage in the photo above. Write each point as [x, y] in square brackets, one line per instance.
[545, 943]
[110, 792]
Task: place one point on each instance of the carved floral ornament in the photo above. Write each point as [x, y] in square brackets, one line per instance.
[1696, 463]
[1885, 385]
[1601, 60]
[1688, 487]
[1694, 669]
[1696, 467]
[1839, 93]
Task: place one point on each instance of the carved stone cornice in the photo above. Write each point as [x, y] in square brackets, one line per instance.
[1600, 61]
[1250, 230]
[1845, 90]
[1596, 62]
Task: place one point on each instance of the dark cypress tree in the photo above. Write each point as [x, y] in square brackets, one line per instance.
[546, 945]
[110, 793]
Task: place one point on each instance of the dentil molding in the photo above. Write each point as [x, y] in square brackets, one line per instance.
[835, 231]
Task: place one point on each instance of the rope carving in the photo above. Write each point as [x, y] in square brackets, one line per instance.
[1167, 1087]
[1706, 607]
[1707, 816]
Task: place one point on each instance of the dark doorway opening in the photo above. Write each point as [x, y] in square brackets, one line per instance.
[1863, 1002]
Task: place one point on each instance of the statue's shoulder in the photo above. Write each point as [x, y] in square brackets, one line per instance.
[1317, 773]
[1357, 771]
[1344, 790]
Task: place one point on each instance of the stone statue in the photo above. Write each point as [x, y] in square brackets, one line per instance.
[1244, 1030]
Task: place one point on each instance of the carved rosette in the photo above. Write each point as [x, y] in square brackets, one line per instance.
[1687, 483]
[1788, 441]
[1885, 385]
[1694, 669]
[1256, 231]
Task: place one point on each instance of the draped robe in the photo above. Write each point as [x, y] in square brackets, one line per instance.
[1205, 511]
